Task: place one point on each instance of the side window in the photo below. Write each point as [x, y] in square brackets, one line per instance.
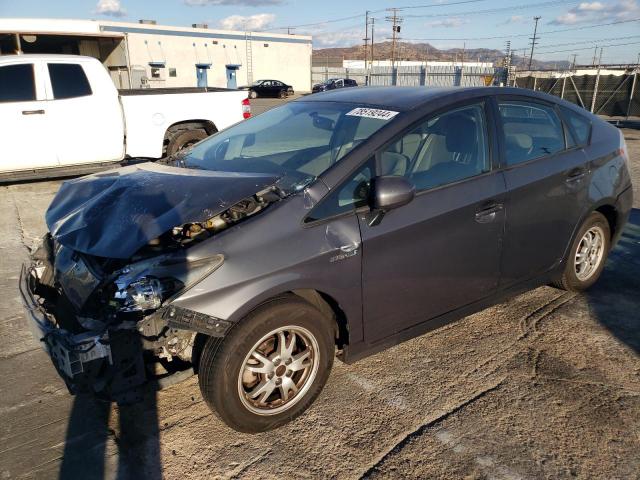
[531, 130]
[17, 83]
[444, 149]
[68, 80]
[340, 83]
[581, 126]
[350, 195]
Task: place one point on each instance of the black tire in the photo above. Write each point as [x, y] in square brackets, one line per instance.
[223, 360]
[569, 279]
[253, 94]
[183, 139]
[282, 94]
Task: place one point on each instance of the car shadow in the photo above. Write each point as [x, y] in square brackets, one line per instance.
[615, 298]
[94, 450]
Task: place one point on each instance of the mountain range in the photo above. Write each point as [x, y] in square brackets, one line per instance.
[426, 51]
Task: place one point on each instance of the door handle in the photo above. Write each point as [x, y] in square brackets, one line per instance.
[488, 213]
[575, 175]
[33, 112]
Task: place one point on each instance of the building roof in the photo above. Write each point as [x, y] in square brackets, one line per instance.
[100, 28]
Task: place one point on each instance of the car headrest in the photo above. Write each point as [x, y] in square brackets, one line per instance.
[521, 140]
[460, 134]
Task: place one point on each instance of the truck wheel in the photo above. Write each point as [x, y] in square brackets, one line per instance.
[587, 255]
[184, 139]
[270, 367]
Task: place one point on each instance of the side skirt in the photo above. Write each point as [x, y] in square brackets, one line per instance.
[358, 351]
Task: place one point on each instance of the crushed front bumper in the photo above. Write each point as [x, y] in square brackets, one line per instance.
[71, 354]
[108, 364]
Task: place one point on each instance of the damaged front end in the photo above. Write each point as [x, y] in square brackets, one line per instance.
[108, 322]
[112, 333]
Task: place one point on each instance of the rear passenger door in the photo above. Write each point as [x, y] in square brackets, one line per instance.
[546, 178]
[442, 250]
[25, 122]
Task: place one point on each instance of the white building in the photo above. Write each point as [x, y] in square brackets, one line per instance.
[148, 55]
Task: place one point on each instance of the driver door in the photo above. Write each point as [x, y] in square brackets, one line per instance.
[442, 250]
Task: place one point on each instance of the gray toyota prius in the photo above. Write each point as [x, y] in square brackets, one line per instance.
[338, 224]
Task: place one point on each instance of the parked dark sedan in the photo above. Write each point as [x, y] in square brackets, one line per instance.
[270, 88]
[334, 83]
[346, 222]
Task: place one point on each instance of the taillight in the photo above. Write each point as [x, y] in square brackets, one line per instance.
[246, 108]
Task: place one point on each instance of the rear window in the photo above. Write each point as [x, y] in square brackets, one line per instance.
[580, 125]
[531, 130]
[17, 83]
[68, 80]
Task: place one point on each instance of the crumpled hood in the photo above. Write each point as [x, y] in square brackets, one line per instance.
[113, 214]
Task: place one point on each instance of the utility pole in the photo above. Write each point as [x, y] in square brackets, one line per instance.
[533, 40]
[573, 63]
[366, 37]
[373, 25]
[600, 58]
[595, 53]
[395, 20]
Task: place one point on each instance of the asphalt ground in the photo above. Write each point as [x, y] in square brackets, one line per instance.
[546, 385]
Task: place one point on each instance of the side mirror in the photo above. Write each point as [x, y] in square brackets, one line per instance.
[391, 192]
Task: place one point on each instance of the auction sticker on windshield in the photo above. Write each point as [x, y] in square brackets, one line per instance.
[372, 113]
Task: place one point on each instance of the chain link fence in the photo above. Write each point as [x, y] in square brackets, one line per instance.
[612, 95]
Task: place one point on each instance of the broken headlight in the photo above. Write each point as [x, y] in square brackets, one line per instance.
[148, 284]
[146, 293]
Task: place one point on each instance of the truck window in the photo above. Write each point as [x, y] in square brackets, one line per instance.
[68, 80]
[17, 83]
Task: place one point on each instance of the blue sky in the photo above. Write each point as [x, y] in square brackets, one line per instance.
[566, 27]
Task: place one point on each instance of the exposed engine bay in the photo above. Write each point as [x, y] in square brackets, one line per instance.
[193, 232]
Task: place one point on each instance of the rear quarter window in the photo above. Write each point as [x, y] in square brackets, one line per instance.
[68, 80]
[580, 126]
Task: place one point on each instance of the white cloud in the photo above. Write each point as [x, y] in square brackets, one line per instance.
[586, 12]
[258, 21]
[246, 3]
[347, 38]
[111, 8]
[514, 19]
[453, 22]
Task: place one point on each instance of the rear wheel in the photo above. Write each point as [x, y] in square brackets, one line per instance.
[184, 139]
[588, 254]
[270, 367]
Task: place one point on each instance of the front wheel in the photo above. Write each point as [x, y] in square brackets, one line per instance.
[252, 94]
[588, 254]
[271, 366]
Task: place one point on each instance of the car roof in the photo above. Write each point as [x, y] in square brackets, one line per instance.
[408, 98]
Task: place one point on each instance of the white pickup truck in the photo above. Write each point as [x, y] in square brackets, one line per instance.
[62, 114]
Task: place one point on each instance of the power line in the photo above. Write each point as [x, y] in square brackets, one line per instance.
[523, 6]
[351, 17]
[584, 27]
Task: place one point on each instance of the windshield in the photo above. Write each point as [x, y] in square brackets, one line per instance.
[297, 141]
